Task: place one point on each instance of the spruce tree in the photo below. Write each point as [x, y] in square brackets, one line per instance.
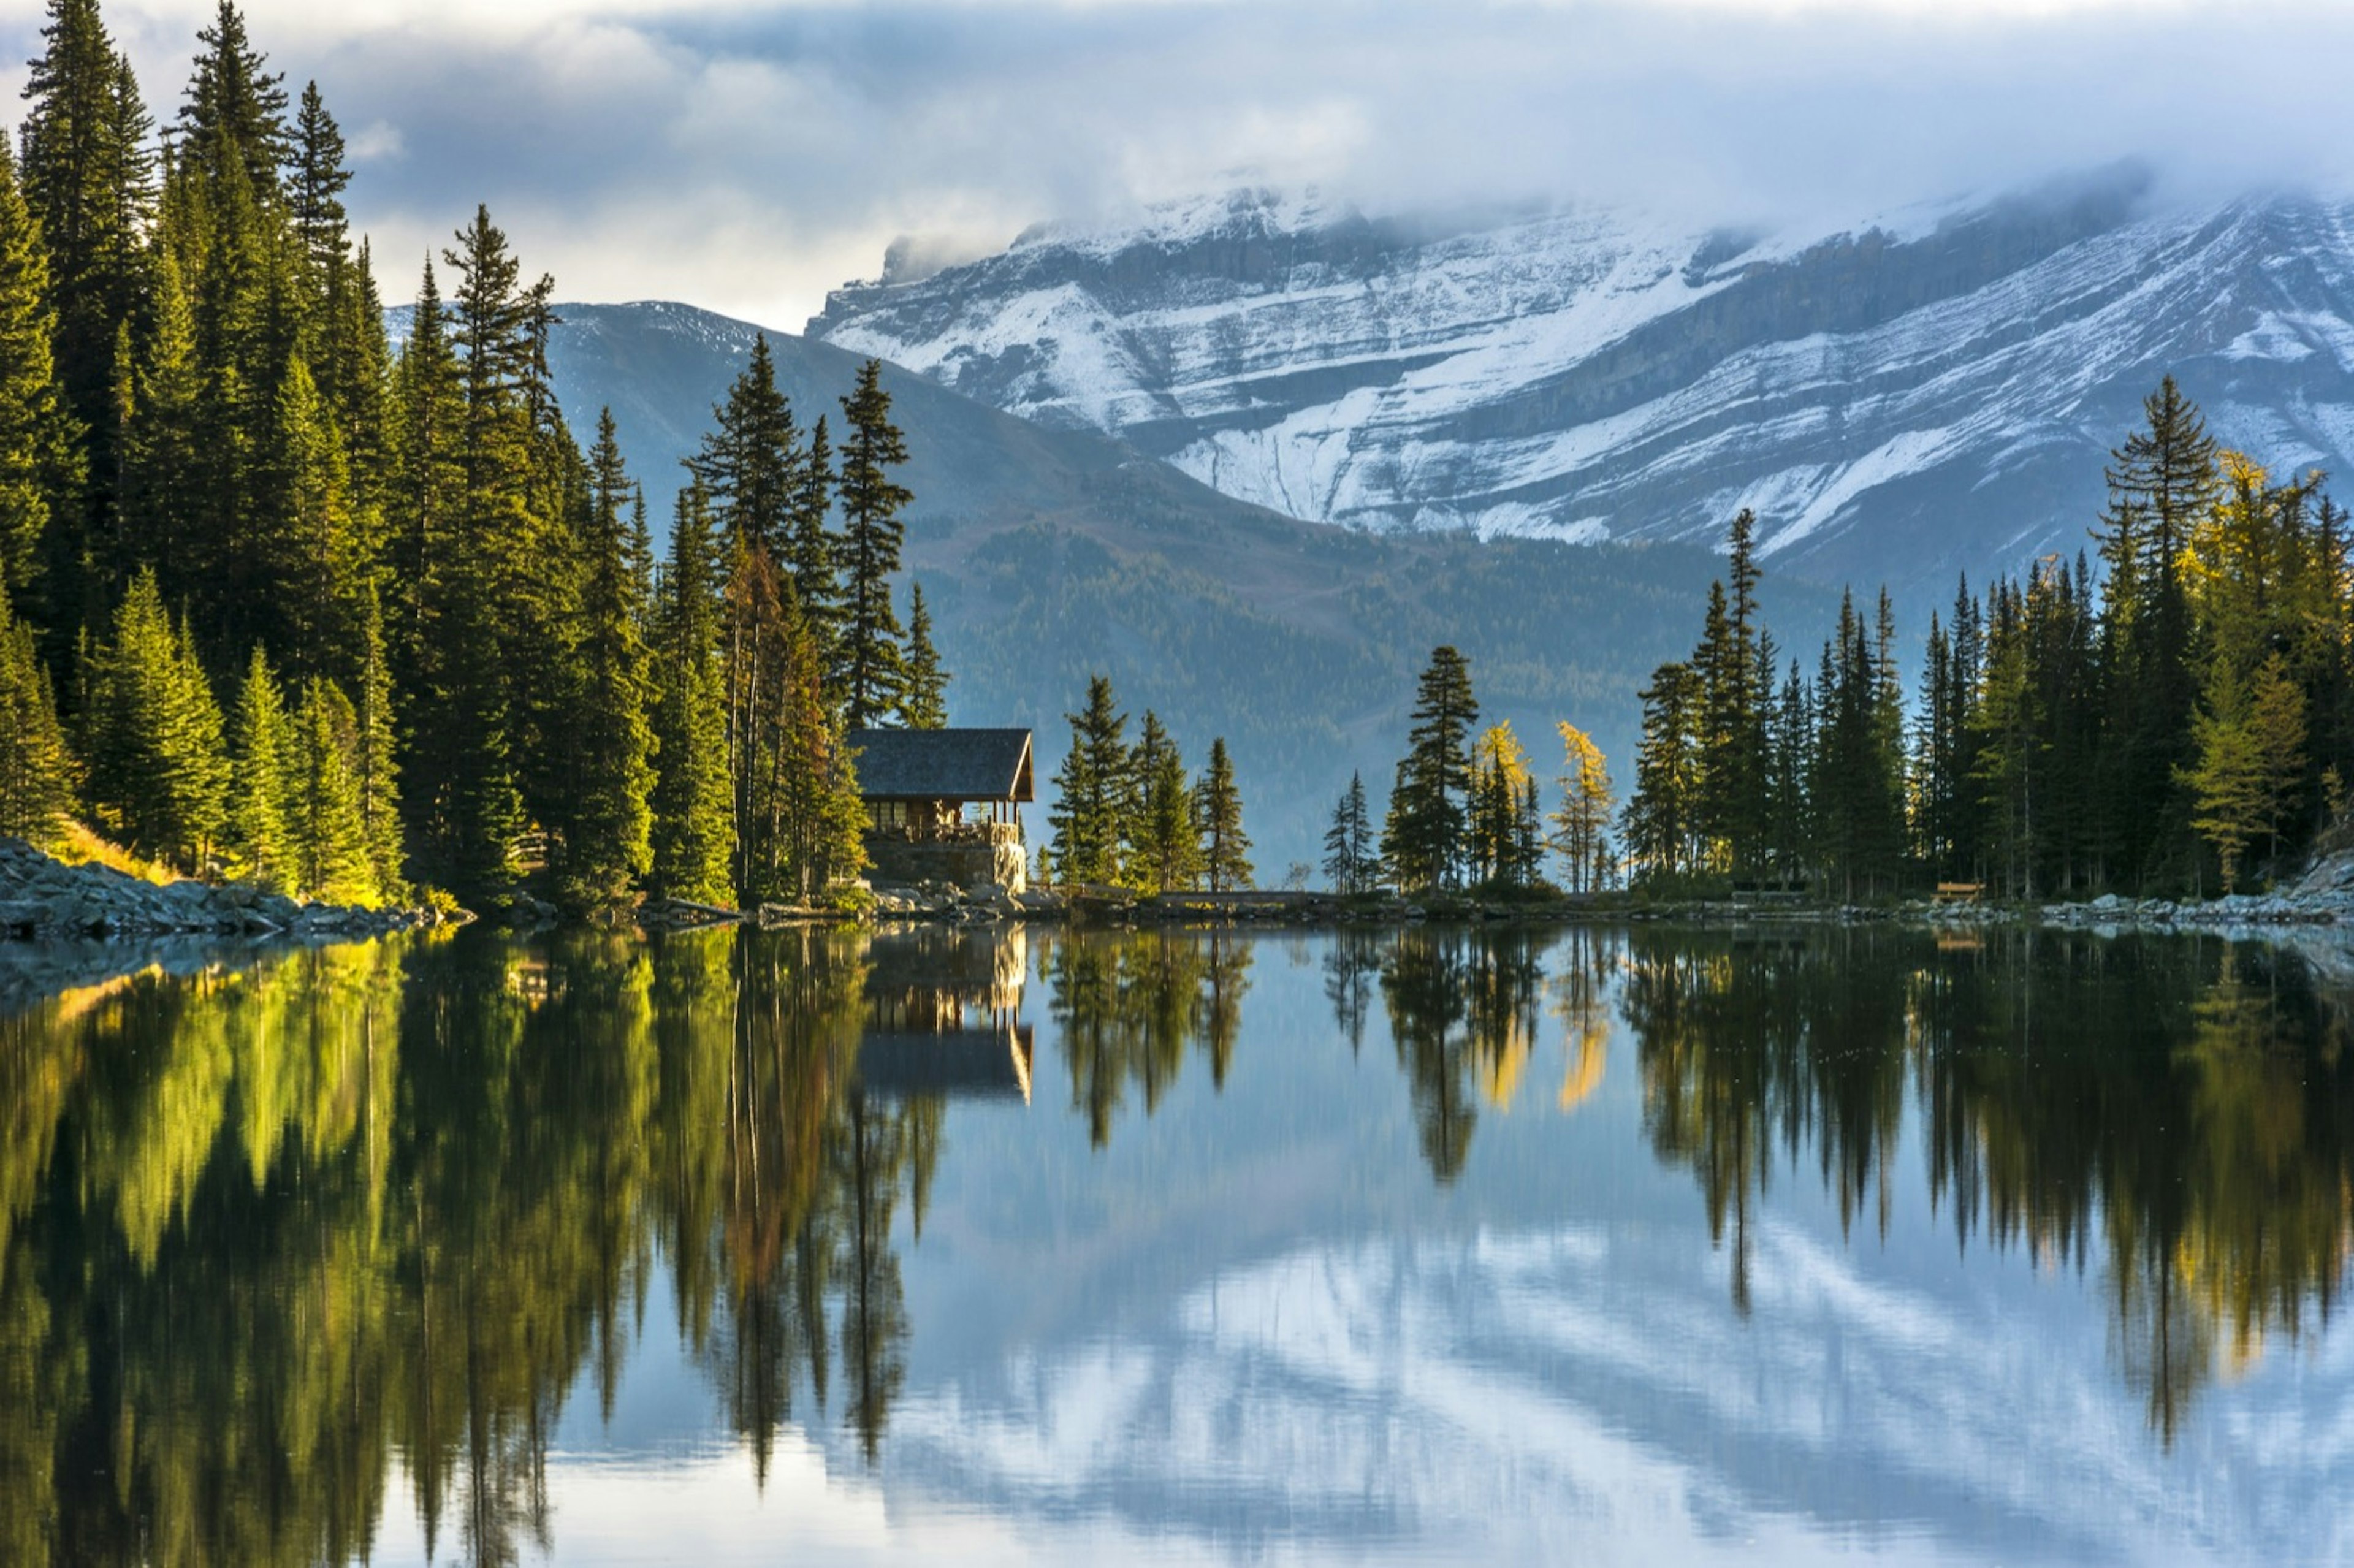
[38, 772]
[376, 765]
[1225, 848]
[692, 836]
[607, 847]
[819, 808]
[235, 112]
[1662, 814]
[1095, 792]
[89, 179]
[1167, 857]
[2226, 778]
[870, 664]
[315, 554]
[262, 778]
[749, 463]
[1423, 841]
[924, 702]
[39, 469]
[329, 834]
[814, 555]
[159, 772]
[316, 180]
[1351, 861]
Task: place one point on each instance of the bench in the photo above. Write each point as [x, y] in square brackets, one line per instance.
[1959, 892]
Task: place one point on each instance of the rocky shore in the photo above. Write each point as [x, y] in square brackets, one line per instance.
[45, 899]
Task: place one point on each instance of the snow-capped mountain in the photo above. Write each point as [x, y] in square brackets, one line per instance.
[1934, 391]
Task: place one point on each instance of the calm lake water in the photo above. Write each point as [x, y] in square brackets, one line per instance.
[1639, 1245]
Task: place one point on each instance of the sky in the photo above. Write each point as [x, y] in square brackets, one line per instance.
[746, 157]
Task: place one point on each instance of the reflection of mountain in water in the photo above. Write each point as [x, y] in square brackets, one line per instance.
[410, 1197]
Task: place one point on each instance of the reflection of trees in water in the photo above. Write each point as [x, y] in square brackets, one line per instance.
[1462, 1007]
[1582, 963]
[1129, 1006]
[260, 1234]
[2183, 1104]
[1352, 962]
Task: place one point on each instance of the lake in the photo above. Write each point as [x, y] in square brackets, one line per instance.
[1433, 1245]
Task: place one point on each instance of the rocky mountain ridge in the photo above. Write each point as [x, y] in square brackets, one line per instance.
[1930, 393]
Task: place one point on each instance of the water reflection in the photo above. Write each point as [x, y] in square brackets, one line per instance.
[271, 1227]
[2176, 1112]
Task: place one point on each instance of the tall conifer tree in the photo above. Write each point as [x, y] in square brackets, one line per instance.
[870, 662]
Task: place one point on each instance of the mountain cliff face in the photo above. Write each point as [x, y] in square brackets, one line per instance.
[1929, 394]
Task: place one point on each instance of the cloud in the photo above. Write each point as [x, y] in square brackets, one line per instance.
[746, 157]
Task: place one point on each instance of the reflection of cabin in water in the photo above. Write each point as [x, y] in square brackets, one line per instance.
[941, 1016]
[946, 804]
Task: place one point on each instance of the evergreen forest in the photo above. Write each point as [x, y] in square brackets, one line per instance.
[280, 601]
[2175, 720]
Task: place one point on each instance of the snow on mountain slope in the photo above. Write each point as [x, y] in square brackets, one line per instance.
[1933, 393]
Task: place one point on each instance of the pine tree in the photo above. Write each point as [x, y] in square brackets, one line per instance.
[426, 480]
[261, 777]
[38, 465]
[694, 838]
[159, 772]
[316, 180]
[1097, 793]
[89, 179]
[38, 772]
[1225, 848]
[2276, 729]
[1168, 849]
[606, 842]
[235, 113]
[1661, 818]
[870, 662]
[822, 812]
[2160, 481]
[1586, 805]
[749, 461]
[313, 552]
[329, 834]
[924, 704]
[1423, 839]
[375, 764]
[814, 555]
[1350, 861]
[2226, 779]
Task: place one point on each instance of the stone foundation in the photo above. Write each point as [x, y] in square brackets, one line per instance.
[968, 860]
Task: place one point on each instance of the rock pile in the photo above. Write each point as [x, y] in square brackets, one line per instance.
[44, 899]
[2323, 896]
[946, 901]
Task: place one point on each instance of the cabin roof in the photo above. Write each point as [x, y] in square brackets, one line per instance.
[944, 763]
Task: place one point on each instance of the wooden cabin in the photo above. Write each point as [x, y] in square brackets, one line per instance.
[945, 805]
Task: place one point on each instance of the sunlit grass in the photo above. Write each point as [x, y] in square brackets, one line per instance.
[76, 845]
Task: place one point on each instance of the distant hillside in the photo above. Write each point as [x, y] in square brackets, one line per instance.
[1050, 553]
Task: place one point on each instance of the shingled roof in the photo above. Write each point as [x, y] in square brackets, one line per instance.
[944, 763]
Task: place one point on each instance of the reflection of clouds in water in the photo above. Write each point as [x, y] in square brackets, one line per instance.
[1536, 1393]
